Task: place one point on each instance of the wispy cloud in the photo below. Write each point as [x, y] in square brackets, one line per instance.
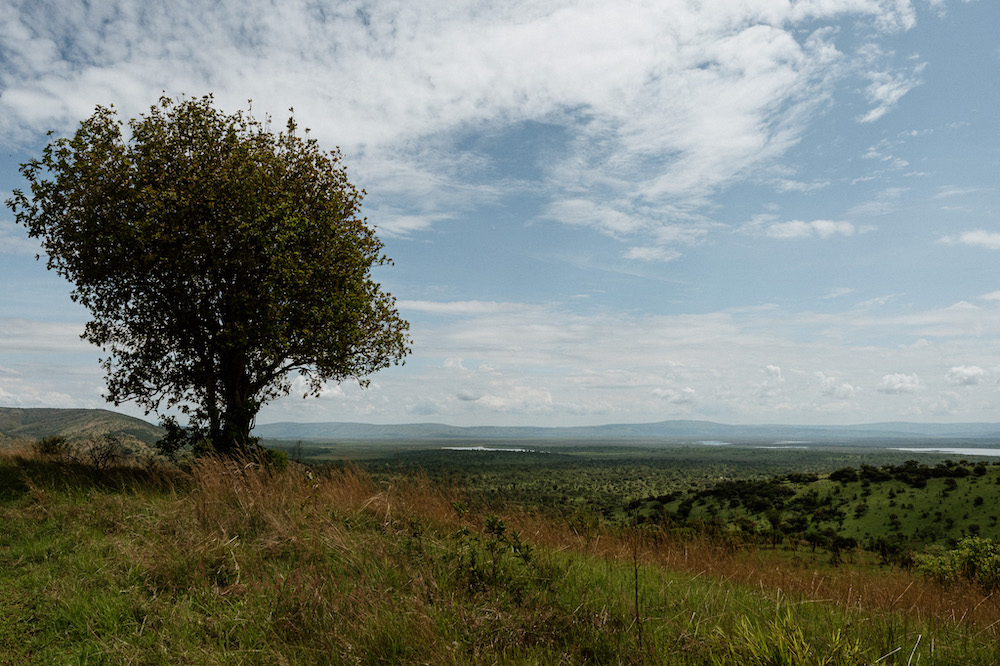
[885, 90]
[656, 106]
[767, 225]
[777, 364]
[989, 240]
[14, 240]
[800, 229]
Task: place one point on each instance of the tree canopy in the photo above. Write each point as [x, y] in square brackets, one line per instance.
[218, 259]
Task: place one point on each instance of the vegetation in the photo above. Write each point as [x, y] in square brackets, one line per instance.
[36, 423]
[216, 257]
[234, 562]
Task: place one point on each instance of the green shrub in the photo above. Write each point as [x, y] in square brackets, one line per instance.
[55, 446]
[975, 560]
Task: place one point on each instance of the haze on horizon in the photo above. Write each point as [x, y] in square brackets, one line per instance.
[742, 211]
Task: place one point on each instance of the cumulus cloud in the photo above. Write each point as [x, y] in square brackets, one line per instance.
[965, 375]
[834, 388]
[896, 384]
[653, 106]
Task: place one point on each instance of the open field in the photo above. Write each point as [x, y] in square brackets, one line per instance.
[230, 563]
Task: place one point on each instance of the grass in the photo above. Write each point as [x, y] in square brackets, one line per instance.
[231, 564]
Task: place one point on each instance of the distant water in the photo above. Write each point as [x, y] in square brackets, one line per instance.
[713, 442]
[957, 452]
[484, 448]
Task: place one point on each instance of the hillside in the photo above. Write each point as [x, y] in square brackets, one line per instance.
[17, 423]
[231, 564]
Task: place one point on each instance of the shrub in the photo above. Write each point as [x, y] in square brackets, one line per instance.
[975, 560]
[55, 446]
[105, 452]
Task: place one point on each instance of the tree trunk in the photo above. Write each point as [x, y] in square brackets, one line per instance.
[240, 408]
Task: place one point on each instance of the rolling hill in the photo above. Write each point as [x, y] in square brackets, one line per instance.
[18, 423]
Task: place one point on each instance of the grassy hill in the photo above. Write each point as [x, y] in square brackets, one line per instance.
[17, 423]
[227, 563]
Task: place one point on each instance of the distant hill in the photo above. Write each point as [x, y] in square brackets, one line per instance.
[16, 423]
[663, 430]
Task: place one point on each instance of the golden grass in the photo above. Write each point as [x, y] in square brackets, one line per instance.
[227, 532]
[232, 500]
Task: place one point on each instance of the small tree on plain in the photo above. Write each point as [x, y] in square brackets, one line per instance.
[218, 259]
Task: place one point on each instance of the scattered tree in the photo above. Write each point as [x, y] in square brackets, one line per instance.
[218, 260]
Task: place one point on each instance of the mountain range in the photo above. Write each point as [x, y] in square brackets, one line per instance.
[663, 430]
[18, 423]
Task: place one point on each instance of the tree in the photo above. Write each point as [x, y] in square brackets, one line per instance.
[218, 260]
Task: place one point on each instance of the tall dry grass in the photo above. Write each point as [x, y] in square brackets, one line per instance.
[229, 561]
[864, 586]
[305, 511]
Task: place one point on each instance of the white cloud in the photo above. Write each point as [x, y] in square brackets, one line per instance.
[659, 105]
[899, 383]
[14, 240]
[477, 361]
[885, 91]
[886, 201]
[952, 191]
[652, 254]
[685, 396]
[604, 218]
[463, 308]
[835, 388]
[989, 240]
[885, 87]
[26, 336]
[837, 292]
[800, 229]
[965, 375]
[523, 399]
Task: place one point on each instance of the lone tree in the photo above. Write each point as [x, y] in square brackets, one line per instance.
[218, 259]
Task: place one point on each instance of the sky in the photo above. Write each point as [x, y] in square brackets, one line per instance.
[742, 211]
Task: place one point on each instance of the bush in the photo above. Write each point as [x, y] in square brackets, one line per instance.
[105, 452]
[55, 446]
[975, 560]
[274, 459]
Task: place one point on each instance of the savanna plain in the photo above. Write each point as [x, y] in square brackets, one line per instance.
[431, 553]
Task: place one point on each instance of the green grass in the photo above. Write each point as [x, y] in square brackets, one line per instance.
[913, 517]
[229, 565]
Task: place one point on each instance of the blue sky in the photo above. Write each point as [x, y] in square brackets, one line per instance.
[748, 211]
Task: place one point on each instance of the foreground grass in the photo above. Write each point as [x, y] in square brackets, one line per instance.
[229, 564]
